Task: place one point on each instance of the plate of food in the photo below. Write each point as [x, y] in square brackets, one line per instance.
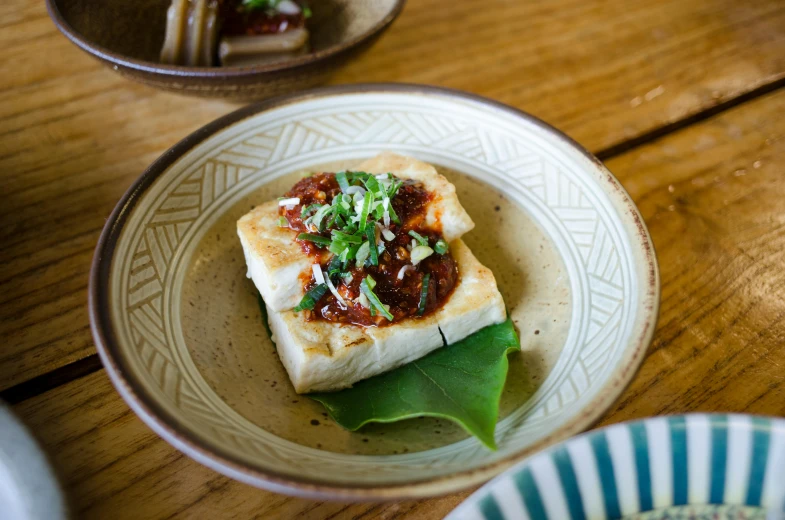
[696, 467]
[373, 292]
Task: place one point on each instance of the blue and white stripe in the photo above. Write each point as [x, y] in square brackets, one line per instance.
[630, 468]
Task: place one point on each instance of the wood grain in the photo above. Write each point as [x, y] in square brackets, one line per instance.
[74, 135]
[713, 198]
[114, 466]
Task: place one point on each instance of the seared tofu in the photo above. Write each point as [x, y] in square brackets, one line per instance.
[324, 356]
[276, 263]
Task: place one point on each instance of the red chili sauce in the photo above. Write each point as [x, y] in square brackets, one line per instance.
[403, 296]
[238, 20]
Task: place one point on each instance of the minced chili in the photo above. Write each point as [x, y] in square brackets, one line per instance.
[403, 296]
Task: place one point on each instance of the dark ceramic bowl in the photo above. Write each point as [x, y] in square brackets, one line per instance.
[127, 36]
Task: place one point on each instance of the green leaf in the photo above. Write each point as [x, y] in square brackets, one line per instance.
[462, 382]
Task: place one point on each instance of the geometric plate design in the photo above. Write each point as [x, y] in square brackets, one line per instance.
[574, 200]
[682, 467]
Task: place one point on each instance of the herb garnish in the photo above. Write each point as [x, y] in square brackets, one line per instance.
[354, 227]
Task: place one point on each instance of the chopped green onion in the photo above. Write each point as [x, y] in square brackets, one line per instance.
[337, 247]
[367, 203]
[359, 176]
[371, 282]
[346, 237]
[335, 292]
[394, 188]
[420, 253]
[341, 206]
[313, 295]
[307, 209]
[373, 185]
[351, 251]
[370, 232]
[367, 290]
[423, 294]
[283, 221]
[342, 181]
[418, 237]
[393, 214]
[318, 217]
[316, 239]
[441, 246]
[334, 267]
[362, 253]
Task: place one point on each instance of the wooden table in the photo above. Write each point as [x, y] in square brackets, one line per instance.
[683, 100]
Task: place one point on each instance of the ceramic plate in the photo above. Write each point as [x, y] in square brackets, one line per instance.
[179, 329]
[28, 487]
[696, 467]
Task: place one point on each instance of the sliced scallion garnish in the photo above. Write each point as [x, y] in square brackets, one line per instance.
[367, 290]
[308, 209]
[423, 294]
[316, 239]
[373, 185]
[342, 181]
[393, 214]
[318, 217]
[370, 232]
[420, 253]
[334, 267]
[362, 253]
[283, 221]
[441, 246]
[337, 247]
[394, 188]
[346, 237]
[313, 295]
[366, 209]
[418, 237]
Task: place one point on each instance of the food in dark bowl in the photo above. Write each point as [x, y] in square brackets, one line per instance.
[129, 37]
[204, 33]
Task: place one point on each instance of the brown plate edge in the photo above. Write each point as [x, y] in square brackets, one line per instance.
[214, 457]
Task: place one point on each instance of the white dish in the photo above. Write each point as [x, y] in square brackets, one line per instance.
[568, 248]
[28, 487]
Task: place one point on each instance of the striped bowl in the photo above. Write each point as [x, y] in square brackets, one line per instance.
[681, 467]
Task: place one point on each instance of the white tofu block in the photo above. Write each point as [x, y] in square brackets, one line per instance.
[276, 263]
[324, 356]
[476, 302]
